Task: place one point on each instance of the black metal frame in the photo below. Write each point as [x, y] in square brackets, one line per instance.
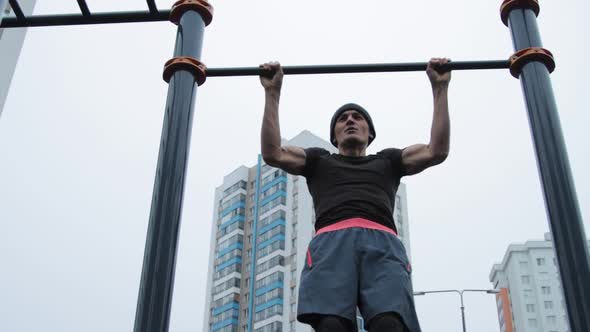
[157, 279]
[85, 17]
[561, 202]
[17, 10]
[84, 8]
[157, 276]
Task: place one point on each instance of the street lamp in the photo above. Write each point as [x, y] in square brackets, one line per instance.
[460, 292]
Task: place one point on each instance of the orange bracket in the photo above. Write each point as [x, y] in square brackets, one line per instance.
[196, 67]
[202, 7]
[509, 5]
[522, 57]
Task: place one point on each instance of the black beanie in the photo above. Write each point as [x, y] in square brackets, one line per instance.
[358, 108]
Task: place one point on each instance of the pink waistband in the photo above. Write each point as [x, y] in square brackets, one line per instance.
[355, 222]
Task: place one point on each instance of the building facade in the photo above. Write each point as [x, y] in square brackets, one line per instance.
[263, 221]
[531, 297]
[11, 42]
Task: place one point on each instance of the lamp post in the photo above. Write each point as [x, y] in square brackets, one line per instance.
[460, 292]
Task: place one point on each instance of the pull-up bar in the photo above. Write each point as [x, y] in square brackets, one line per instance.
[360, 68]
[530, 63]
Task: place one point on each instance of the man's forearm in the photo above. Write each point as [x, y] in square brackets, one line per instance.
[441, 129]
[270, 134]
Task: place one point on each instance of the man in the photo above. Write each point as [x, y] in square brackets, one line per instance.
[356, 258]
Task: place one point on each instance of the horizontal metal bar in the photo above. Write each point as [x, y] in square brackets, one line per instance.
[84, 7]
[359, 68]
[77, 19]
[152, 6]
[20, 16]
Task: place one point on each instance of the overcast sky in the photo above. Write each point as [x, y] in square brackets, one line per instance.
[80, 132]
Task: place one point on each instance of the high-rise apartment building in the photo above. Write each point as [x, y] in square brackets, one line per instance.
[531, 297]
[11, 42]
[263, 221]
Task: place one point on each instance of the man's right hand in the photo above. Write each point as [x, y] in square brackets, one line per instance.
[272, 76]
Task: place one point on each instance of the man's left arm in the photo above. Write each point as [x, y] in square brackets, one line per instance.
[418, 157]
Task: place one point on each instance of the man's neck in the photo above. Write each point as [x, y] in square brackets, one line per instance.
[352, 151]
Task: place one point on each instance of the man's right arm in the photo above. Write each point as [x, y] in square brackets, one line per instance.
[288, 158]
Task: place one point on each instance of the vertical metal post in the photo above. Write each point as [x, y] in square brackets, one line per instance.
[462, 311]
[157, 278]
[561, 202]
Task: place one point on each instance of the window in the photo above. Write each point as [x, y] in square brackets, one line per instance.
[239, 185]
[528, 293]
[268, 313]
[540, 261]
[269, 234]
[525, 279]
[530, 308]
[545, 290]
[532, 322]
[523, 265]
[234, 201]
[272, 327]
[234, 282]
[276, 293]
[269, 249]
[551, 320]
[548, 305]
[270, 279]
[269, 264]
[225, 300]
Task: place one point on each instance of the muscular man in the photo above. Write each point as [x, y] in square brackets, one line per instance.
[355, 259]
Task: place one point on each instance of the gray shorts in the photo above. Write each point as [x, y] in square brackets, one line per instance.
[355, 267]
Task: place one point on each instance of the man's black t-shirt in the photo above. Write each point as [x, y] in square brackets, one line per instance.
[345, 187]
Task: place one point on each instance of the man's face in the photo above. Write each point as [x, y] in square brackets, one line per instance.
[351, 129]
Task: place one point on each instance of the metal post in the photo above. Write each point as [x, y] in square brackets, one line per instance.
[157, 278]
[462, 310]
[560, 196]
[460, 292]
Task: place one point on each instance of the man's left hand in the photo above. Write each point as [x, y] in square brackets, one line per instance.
[435, 74]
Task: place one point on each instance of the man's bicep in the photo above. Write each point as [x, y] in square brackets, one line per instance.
[416, 158]
[292, 159]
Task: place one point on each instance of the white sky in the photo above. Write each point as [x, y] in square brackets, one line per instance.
[80, 132]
